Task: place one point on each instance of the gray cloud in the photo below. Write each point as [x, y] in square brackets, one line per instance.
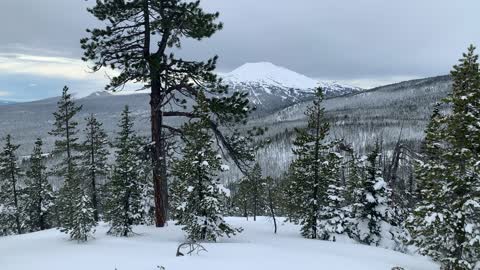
[329, 39]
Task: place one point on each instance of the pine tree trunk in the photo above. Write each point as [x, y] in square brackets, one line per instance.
[255, 208]
[272, 210]
[245, 210]
[67, 134]
[127, 222]
[159, 157]
[159, 154]
[459, 227]
[316, 175]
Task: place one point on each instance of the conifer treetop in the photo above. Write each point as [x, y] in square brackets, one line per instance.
[140, 39]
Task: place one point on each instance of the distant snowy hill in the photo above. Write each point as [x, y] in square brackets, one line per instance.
[99, 94]
[6, 102]
[272, 87]
[387, 113]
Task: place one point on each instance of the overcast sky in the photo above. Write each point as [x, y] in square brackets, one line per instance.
[363, 42]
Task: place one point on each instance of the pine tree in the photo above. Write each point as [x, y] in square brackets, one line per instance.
[425, 222]
[124, 202]
[354, 179]
[251, 195]
[10, 210]
[446, 221]
[312, 173]
[38, 193]
[65, 129]
[256, 191]
[145, 170]
[333, 215]
[241, 197]
[94, 159]
[75, 209]
[374, 209]
[73, 220]
[82, 223]
[197, 192]
[462, 155]
[126, 45]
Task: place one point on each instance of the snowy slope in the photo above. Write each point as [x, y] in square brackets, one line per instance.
[256, 248]
[272, 87]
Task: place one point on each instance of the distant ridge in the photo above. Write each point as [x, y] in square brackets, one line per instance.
[7, 102]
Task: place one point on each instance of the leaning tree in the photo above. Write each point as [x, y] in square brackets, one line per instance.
[140, 39]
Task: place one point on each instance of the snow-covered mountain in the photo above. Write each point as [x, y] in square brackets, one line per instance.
[102, 93]
[272, 87]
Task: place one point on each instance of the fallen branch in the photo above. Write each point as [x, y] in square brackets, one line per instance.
[191, 246]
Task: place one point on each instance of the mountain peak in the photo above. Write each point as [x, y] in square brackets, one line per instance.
[268, 73]
[102, 93]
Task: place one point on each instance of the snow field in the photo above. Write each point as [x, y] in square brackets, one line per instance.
[256, 248]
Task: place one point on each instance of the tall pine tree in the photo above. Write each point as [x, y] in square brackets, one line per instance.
[256, 191]
[94, 159]
[124, 202]
[428, 215]
[462, 155]
[313, 175]
[140, 40]
[76, 215]
[65, 129]
[446, 222]
[39, 198]
[10, 211]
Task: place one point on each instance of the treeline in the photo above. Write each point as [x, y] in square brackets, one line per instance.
[119, 192]
[29, 203]
[329, 190]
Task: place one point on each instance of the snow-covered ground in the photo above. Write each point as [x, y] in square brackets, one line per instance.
[256, 248]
